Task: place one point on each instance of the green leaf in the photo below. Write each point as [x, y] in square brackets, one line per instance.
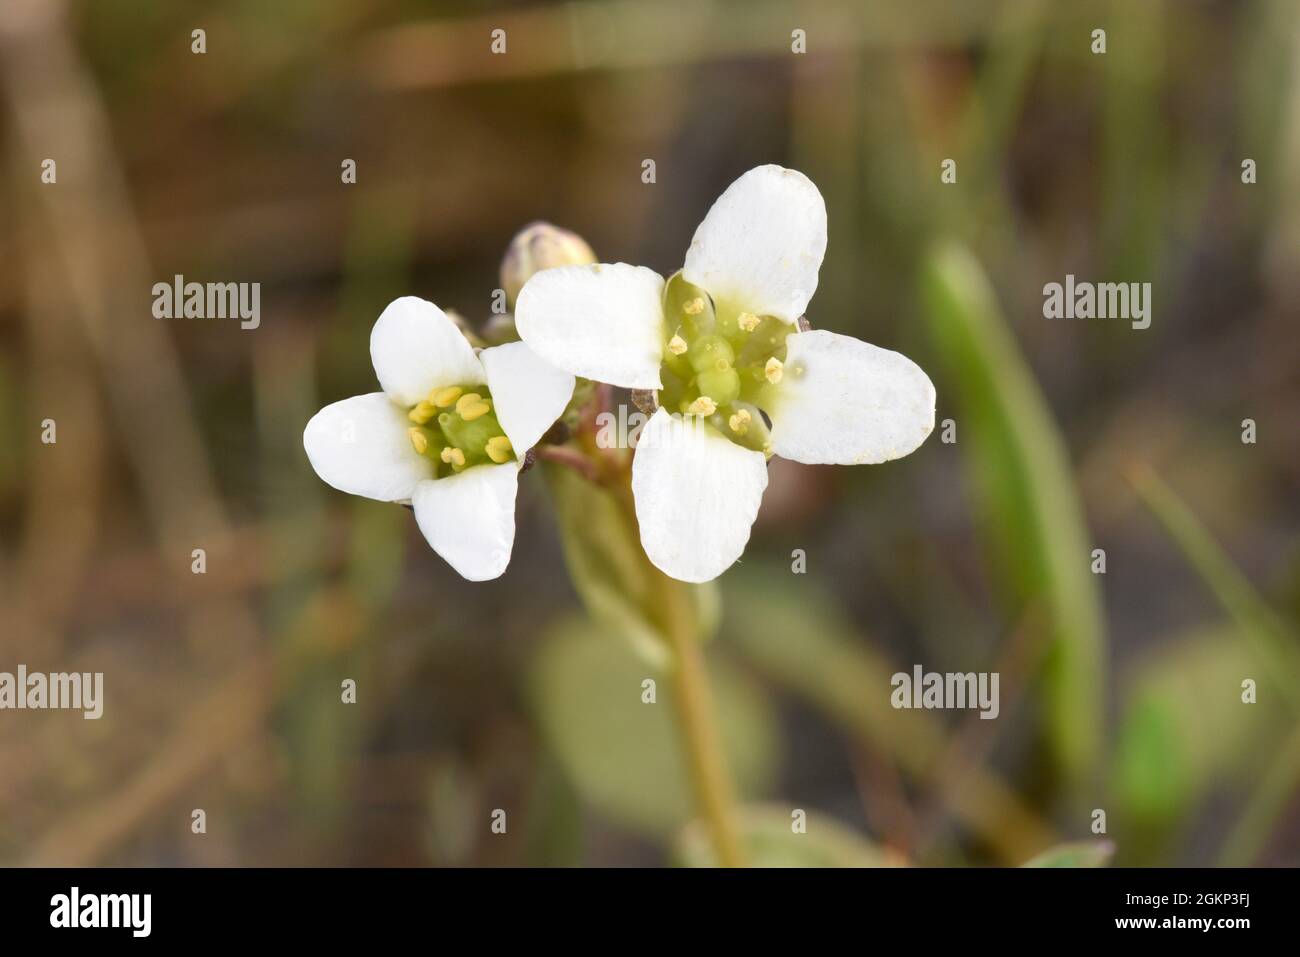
[1184, 729]
[1153, 775]
[624, 756]
[1028, 510]
[609, 569]
[770, 840]
[1075, 854]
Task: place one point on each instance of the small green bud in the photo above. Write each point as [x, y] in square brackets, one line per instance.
[720, 385]
[687, 308]
[540, 246]
[710, 354]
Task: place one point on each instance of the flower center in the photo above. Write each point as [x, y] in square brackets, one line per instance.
[720, 363]
[455, 427]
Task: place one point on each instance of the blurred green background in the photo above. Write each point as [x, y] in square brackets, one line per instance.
[1119, 692]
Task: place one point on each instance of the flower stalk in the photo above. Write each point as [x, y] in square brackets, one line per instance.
[675, 613]
[696, 719]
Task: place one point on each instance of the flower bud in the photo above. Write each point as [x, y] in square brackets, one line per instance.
[540, 246]
[499, 330]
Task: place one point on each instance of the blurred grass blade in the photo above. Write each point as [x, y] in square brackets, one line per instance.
[1137, 162]
[1075, 854]
[1269, 636]
[1243, 844]
[1027, 508]
[848, 680]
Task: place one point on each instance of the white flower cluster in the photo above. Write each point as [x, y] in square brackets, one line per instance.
[719, 343]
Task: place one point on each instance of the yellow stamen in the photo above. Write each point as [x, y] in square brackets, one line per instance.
[453, 457]
[747, 321]
[694, 307]
[677, 345]
[471, 405]
[773, 370]
[499, 449]
[419, 441]
[702, 406]
[740, 422]
[422, 413]
[445, 398]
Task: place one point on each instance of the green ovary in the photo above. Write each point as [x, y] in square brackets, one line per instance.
[721, 363]
[455, 428]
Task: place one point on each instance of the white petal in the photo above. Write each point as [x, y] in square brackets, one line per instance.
[528, 393]
[415, 347]
[469, 518]
[696, 493]
[360, 446]
[604, 322]
[762, 243]
[842, 401]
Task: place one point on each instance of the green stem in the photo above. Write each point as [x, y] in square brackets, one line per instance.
[672, 605]
[696, 716]
[696, 719]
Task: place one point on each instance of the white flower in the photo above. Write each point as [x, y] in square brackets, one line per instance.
[447, 435]
[720, 340]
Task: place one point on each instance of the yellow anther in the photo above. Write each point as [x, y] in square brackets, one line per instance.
[702, 406]
[773, 370]
[677, 345]
[499, 449]
[739, 422]
[445, 398]
[747, 321]
[422, 413]
[471, 405]
[453, 457]
[694, 307]
[419, 441]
